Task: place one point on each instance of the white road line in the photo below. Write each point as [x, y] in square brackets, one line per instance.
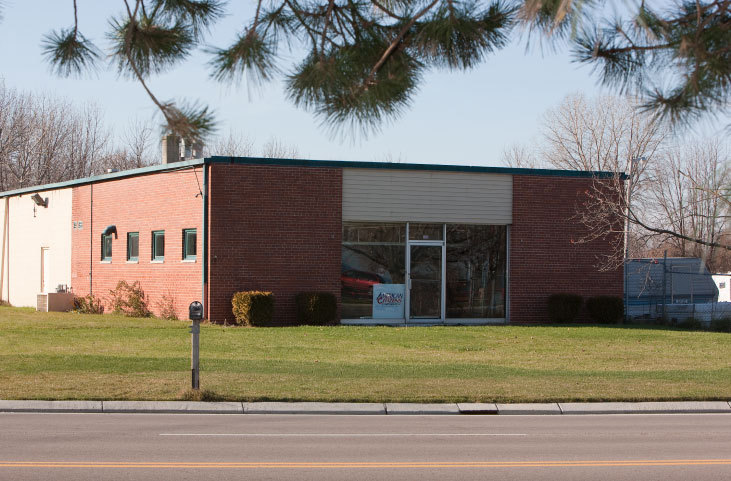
[343, 435]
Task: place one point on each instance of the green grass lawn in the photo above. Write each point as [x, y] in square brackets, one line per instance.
[71, 356]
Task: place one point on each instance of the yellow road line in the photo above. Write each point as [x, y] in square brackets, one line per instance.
[362, 465]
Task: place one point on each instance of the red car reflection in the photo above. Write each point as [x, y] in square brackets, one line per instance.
[359, 283]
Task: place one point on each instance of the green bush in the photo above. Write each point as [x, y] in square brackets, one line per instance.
[605, 309]
[253, 308]
[721, 325]
[89, 304]
[564, 307]
[129, 299]
[316, 307]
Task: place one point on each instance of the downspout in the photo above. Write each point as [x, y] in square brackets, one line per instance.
[204, 238]
[91, 238]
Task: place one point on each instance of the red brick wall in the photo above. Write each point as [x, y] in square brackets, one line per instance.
[162, 201]
[273, 228]
[544, 258]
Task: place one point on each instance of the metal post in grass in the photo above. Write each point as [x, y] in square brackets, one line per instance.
[195, 314]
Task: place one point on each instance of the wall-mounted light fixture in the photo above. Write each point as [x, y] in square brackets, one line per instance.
[39, 201]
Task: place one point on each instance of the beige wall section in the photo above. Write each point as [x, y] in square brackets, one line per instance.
[427, 196]
[27, 234]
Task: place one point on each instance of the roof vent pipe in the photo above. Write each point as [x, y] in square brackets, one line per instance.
[170, 149]
[191, 150]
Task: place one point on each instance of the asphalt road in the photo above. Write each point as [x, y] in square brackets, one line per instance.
[293, 447]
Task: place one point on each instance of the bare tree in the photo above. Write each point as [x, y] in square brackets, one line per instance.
[234, 144]
[237, 144]
[605, 134]
[670, 195]
[277, 149]
[138, 142]
[520, 156]
[690, 198]
[45, 139]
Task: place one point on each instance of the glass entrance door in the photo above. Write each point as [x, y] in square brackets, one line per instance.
[425, 281]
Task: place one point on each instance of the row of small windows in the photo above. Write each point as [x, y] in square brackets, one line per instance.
[157, 251]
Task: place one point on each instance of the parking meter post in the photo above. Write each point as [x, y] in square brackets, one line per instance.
[195, 314]
[195, 329]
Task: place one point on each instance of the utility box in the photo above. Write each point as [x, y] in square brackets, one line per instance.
[55, 302]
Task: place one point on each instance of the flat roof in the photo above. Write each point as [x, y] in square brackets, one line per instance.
[186, 164]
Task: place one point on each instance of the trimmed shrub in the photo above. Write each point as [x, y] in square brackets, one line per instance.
[129, 300]
[253, 308]
[89, 304]
[317, 308]
[721, 325]
[564, 307]
[605, 309]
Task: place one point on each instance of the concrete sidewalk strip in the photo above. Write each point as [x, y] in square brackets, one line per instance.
[667, 407]
[191, 407]
[477, 408]
[528, 408]
[417, 408]
[313, 408]
[51, 406]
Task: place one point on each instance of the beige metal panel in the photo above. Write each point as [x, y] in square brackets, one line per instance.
[427, 196]
[31, 229]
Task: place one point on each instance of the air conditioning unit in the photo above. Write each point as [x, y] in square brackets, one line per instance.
[55, 302]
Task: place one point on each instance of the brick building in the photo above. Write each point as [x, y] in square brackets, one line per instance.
[395, 243]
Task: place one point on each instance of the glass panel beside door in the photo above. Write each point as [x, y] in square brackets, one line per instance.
[425, 294]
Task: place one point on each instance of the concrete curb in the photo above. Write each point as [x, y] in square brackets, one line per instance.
[529, 408]
[646, 407]
[416, 408]
[313, 408]
[191, 407]
[51, 406]
[477, 408]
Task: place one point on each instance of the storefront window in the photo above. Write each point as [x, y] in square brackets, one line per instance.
[373, 260]
[475, 271]
[426, 231]
[374, 271]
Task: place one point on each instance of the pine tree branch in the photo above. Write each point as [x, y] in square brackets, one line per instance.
[328, 15]
[386, 10]
[396, 41]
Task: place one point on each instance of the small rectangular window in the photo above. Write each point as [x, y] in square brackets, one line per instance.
[189, 244]
[158, 245]
[133, 246]
[107, 247]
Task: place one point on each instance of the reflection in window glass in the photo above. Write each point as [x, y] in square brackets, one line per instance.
[371, 254]
[133, 246]
[189, 244]
[426, 231]
[476, 271]
[158, 245]
[107, 247]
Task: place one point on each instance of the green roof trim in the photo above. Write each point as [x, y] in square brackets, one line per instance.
[340, 164]
[153, 169]
[400, 166]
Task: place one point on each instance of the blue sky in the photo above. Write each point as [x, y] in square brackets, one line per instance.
[457, 117]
